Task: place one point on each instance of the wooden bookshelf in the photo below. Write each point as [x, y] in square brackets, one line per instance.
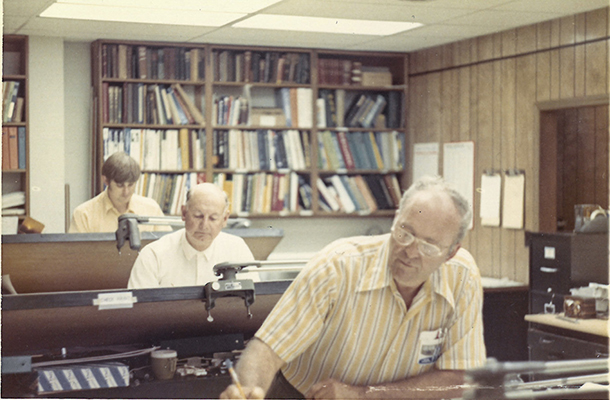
[260, 132]
[15, 133]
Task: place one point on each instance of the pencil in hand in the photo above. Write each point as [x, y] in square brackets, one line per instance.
[234, 378]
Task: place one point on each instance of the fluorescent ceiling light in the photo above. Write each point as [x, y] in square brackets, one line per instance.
[326, 25]
[168, 12]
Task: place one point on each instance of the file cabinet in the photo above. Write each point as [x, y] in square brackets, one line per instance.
[561, 261]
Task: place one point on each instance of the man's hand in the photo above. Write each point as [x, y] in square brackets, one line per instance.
[333, 389]
[232, 392]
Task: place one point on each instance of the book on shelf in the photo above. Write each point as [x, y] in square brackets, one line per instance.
[13, 148]
[282, 101]
[260, 66]
[153, 149]
[168, 190]
[346, 151]
[358, 193]
[327, 98]
[152, 62]
[194, 112]
[321, 113]
[333, 71]
[18, 112]
[379, 191]
[366, 193]
[326, 195]
[260, 149]
[354, 192]
[231, 110]
[10, 95]
[5, 148]
[297, 105]
[347, 204]
[151, 104]
[393, 186]
[332, 156]
[394, 112]
[21, 147]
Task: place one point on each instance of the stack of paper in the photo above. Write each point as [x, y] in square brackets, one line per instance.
[13, 199]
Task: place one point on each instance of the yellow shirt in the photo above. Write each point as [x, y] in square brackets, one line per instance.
[343, 318]
[100, 215]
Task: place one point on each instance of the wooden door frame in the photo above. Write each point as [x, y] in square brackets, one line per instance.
[547, 168]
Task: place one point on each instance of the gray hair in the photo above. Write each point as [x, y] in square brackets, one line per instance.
[427, 183]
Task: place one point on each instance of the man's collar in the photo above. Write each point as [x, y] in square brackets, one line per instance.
[190, 252]
[109, 206]
[380, 277]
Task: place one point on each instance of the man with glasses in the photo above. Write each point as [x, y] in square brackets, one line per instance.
[391, 316]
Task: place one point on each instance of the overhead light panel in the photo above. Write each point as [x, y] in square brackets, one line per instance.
[167, 12]
[325, 25]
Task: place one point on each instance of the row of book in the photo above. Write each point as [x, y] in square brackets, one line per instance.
[137, 103]
[260, 193]
[366, 110]
[266, 67]
[338, 150]
[168, 190]
[263, 193]
[358, 193]
[231, 110]
[168, 149]
[334, 71]
[143, 62]
[262, 149]
[296, 104]
[12, 102]
[13, 147]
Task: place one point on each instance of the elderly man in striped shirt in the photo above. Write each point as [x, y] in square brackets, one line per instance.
[391, 316]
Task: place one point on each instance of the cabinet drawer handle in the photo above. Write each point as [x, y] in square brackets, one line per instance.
[546, 341]
[548, 270]
[601, 354]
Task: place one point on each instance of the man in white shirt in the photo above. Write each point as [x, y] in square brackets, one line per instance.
[187, 257]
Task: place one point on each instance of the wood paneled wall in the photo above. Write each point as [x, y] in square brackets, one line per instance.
[488, 90]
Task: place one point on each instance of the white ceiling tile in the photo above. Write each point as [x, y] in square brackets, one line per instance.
[566, 6]
[397, 11]
[503, 19]
[98, 29]
[262, 37]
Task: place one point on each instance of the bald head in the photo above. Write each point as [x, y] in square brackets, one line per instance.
[204, 192]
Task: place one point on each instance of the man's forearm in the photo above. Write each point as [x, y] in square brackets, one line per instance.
[433, 385]
[258, 365]
[438, 384]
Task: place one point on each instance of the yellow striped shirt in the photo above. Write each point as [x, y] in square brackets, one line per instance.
[343, 318]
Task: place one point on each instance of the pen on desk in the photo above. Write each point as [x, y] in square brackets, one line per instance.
[235, 378]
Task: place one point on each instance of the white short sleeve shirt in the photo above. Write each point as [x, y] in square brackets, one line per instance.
[172, 261]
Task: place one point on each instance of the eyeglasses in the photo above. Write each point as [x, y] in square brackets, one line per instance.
[406, 238]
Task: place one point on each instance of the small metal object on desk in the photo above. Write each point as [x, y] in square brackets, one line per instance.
[564, 318]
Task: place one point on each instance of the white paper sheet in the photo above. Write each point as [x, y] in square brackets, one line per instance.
[512, 204]
[491, 190]
[458, 168]
[425, 159]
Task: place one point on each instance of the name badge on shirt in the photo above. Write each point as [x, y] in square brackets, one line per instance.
[430, 344]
